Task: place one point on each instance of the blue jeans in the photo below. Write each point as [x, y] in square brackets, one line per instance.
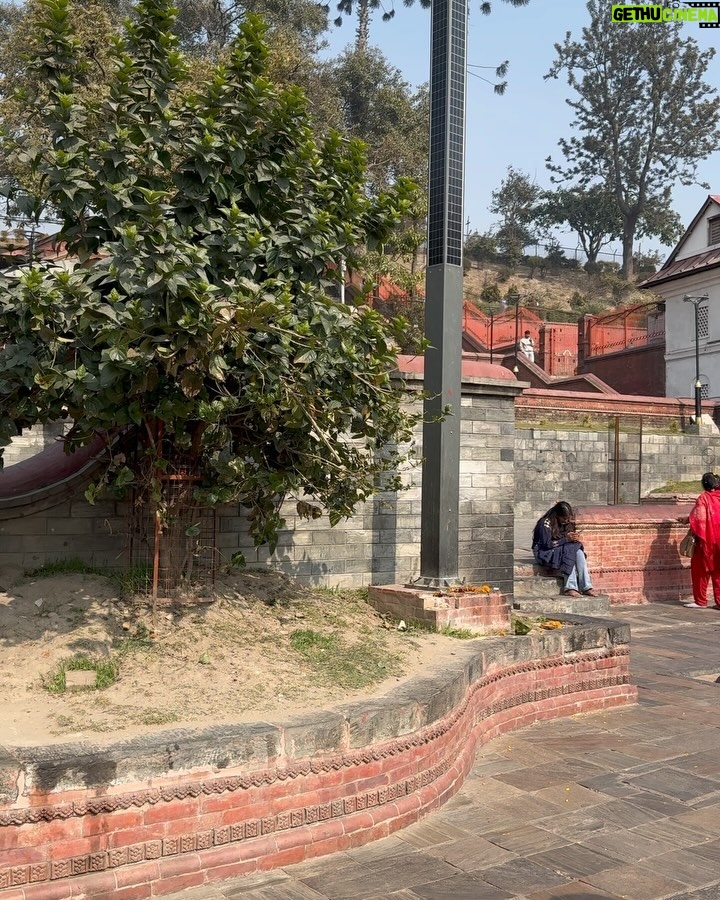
[579, 578]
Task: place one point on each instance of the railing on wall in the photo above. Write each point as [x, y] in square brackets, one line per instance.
[625, 329]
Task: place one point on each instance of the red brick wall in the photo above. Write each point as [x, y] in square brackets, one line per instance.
[548, 404]
[633, 551]
[639, 370]
[191, 828]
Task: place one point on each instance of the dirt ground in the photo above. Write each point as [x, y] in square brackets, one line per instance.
[230, 655]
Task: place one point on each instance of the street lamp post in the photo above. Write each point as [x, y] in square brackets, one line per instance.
[696, 301]
[516, 298]
[492, 334]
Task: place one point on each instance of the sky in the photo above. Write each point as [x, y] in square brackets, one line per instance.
[522, 127]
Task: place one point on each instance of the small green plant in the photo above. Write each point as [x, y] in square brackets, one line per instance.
[462, 634]
[64, 567]
[135, 580]
[521, 626]
[140, 639]
[105, 673]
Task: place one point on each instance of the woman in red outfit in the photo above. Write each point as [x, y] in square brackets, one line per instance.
[705, 525]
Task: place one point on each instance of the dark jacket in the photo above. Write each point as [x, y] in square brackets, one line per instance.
[557, 554]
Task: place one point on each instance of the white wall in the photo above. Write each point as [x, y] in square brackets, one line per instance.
[697, 241]
[680, 335]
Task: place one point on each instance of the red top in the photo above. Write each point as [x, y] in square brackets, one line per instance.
[705, 523]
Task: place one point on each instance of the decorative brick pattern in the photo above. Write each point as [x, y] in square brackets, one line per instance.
[78, 865]
[153, 849]
[171, 846]
[39, 872]
[19, 875]
[118, 857]
[486, 708]
[136, 853]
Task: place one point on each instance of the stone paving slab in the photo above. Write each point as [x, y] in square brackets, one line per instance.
[641, 821]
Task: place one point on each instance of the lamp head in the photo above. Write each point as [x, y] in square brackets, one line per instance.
[696, 299]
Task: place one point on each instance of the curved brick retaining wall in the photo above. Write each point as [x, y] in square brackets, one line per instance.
[633, 550]
[180, 808]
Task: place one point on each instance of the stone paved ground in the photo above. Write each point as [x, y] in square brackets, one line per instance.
[618, 804]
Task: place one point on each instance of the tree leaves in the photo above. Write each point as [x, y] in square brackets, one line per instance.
[214, 222]
[644, 116]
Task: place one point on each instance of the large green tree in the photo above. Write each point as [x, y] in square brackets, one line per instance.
[514, 202]
[591, 212]
[207, 221]
[644, 114]
[204, 28]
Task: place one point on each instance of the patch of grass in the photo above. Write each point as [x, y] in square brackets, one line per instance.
[139, 640]
[346, 665]
[64, 567]
[462, 634]
[679, 487]
[135, 580]
[417, 626]
[310, 642]
[155, 717]
[105, 673]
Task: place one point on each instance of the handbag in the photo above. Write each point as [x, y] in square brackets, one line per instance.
[687, 544]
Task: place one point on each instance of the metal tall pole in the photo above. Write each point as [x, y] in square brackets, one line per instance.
[443, 296]
[696, 301]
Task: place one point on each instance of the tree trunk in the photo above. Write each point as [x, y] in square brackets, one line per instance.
[363, 28]
[628, 263]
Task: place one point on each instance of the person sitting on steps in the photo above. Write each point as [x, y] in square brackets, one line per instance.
[555, 544]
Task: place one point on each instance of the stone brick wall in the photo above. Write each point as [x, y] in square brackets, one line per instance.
[378, 545]
[381, 543]
[578, 465]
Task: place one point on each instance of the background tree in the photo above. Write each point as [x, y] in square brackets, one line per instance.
[592, 213]
[480, 247]
[645, 116]
[514, 201]
[381, 108]
[203, 327]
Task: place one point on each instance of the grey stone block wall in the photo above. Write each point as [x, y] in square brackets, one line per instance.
[504, 473]
[579, 466]
[380, 544]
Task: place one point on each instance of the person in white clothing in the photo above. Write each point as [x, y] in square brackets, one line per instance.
[526, 345]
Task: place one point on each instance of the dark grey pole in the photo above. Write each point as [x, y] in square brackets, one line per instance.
[698, 386]
[696, 301]
[444, 295]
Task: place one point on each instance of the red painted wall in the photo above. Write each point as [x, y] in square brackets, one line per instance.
[633, 551]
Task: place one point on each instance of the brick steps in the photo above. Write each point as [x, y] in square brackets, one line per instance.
[538, 590]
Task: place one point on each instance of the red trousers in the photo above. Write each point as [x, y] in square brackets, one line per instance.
[701, 575]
